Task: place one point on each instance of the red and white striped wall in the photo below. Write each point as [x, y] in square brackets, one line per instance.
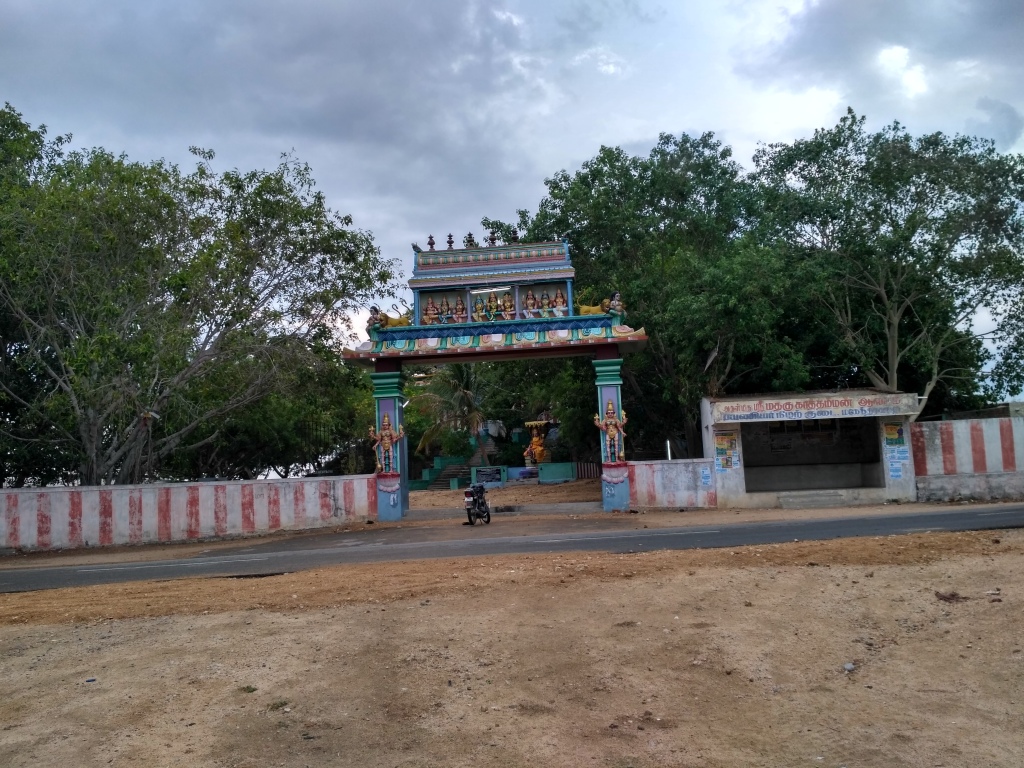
[672, 484]
[972, 458]
[69, 518]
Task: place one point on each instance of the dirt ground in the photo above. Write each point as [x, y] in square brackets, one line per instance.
[699, 658]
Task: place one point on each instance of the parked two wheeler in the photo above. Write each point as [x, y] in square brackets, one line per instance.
[477, 507]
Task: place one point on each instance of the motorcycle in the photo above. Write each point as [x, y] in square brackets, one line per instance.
[477, 507]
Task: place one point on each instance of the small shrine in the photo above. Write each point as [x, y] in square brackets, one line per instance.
[536, 452]
[495, 302]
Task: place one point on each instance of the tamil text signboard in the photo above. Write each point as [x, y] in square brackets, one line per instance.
[842, 405]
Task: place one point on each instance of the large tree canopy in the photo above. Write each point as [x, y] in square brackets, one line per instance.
[917, 242]
[670, 232]
[847, 259]
[140, 303]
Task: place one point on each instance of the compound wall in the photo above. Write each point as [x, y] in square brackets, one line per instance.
[969, 459]
[69, 518]
[672, 484]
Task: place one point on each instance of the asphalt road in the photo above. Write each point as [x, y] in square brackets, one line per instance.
[302, 553]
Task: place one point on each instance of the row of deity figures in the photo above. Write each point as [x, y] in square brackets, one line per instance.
[493, 309]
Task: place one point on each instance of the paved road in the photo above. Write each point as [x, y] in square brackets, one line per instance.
[301, 553]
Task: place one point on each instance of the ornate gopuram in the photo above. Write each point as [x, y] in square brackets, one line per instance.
[495, 302]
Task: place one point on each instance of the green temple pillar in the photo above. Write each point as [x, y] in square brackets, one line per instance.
[611, 421]
[391, 447]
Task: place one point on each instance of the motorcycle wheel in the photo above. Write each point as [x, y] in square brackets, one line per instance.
[469, 514]
[486, 516]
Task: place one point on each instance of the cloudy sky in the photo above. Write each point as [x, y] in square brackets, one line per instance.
[422, 117]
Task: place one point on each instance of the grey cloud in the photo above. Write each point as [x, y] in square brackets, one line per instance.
[394, 102]
[835, 44]
[834, 39]
[1003, 123]
[582, 21]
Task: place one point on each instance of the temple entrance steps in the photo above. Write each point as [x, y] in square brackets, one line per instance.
[443, 481]
[476, 460]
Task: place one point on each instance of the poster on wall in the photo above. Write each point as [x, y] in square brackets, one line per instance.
[727, 453]
[897, 458]
[894, 434]
[705, 477]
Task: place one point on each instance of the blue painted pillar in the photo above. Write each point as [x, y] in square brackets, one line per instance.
[392, 477]
[611, 420]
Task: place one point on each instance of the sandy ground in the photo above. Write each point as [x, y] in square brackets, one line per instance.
[697, 658]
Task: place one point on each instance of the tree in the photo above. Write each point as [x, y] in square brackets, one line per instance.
[314, 418]
[453, 397]
[148, 303]
[669, 231]
[912, 240]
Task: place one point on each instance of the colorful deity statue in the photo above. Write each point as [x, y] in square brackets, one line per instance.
[560, 305]
[430, 312]
[460, 315]
[385, 443]
[546, 310]
[535, 450]
[479, 310]
[530, 308]
[444, 314]
[493, 309]
[612, 448]
[380, 320]
[596, 309]
[616, 308]
[508, 307]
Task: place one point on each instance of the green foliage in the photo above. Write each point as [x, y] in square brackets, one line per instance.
[141, 305]
[510, 455]
[456, 443]
[848, 259]
[451, 401]
[317, 417]
[911, 238]
[667, 230]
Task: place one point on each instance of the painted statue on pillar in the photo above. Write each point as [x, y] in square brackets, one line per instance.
[613, 447]
[535, 450]
[385, 443]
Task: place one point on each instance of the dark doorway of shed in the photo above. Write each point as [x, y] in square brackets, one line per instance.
[812, 454]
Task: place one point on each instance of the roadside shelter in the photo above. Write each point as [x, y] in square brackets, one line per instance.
[810, 449]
